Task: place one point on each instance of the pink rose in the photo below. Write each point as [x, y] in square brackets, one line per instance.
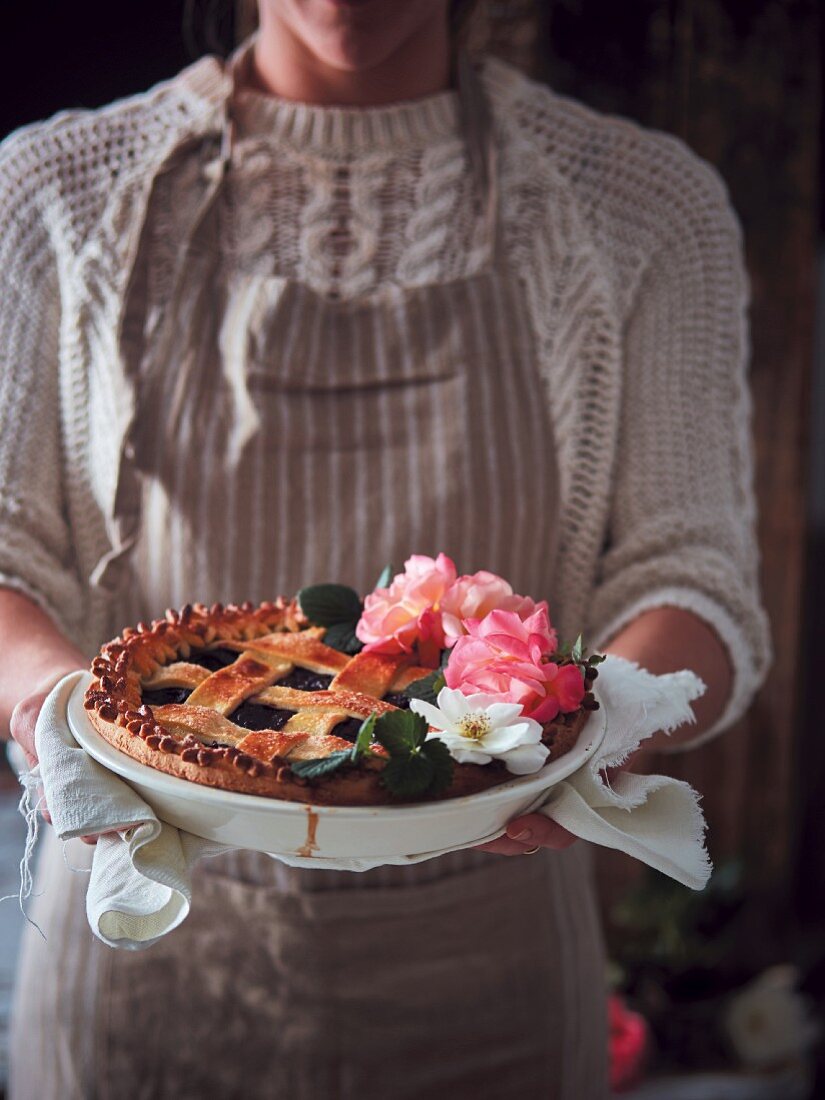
[505, 655]
[407, 614]
[474, 597]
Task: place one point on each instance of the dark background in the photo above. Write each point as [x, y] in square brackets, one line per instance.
[61, 55]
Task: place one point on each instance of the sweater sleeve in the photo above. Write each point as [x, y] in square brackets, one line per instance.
[682, 523]
[36, 555]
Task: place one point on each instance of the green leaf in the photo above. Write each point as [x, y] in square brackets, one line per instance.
[427, 769]
[427, 688]
[341, 636]
[329, 604]
[416, 765]
[439, 756]
[576, 652]
[325, 765]
[364, 738]
[445, 656]
[387, 574]
[406, 776]
[400, 731]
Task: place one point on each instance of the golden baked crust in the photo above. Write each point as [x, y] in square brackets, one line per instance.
[196, 740]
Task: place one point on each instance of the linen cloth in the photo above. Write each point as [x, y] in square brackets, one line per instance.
[140, 886]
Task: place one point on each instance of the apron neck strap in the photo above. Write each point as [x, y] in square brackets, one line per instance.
[481, 146]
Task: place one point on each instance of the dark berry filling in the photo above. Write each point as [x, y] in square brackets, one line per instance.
[160, 697]
[253, 716]
[398, 699]
[304, 680]
[213, 659]
[348, 729]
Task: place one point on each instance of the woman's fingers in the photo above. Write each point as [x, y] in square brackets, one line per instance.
[21, 726]
[530, 831]
[533, 829]
[22, 723]
[94, 837]
[503, 847]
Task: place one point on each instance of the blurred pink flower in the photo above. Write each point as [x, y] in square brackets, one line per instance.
[407, 614]
[629, 1044]
[507, 656]
[473, 597]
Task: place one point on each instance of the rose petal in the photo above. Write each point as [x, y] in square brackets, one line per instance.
[501, 741]
[484, 702]
[543, 710]
[503, 714]
[433, 715]
[470, 756]
[526, 759]
[453, 703]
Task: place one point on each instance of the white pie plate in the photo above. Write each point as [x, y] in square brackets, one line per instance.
[298, 829]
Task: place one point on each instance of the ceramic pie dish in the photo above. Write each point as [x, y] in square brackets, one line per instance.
[307, 829]
[247, 698]
[444, 700]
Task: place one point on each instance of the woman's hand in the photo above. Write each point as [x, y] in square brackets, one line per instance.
[23, 721]
[22, 725]
[525, 835]
[42, 657]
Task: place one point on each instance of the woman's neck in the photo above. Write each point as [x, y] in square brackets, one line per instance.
[283, 65]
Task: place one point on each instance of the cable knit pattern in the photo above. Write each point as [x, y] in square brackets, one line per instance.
[632, 266]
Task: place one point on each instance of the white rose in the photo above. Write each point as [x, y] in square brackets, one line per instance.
[479, 728]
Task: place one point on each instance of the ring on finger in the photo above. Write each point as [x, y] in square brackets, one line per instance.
[531, 851]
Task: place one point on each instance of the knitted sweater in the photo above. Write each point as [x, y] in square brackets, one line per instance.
[631, 261]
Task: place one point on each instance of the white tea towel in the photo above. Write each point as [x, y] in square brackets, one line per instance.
[654, 818]
[140, 882]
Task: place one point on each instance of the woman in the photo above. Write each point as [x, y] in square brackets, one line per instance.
[282, 321]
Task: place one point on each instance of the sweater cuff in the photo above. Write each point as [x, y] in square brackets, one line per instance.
[746, 679]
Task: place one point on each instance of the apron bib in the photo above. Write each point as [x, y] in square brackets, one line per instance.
[304, 437]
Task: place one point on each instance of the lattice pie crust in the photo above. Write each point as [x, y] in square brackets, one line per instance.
[229, 696]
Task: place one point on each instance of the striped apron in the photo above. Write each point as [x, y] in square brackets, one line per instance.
[286, 437]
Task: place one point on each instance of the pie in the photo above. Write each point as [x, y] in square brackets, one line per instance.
[236, 697]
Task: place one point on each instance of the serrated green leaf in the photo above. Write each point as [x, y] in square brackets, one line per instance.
[329, 604]
[439, 756]
[400, 731]
[407, 776]
[364, 738]
[427, 688]
[325, 765]
[427, 769]
[387, 574]
[341, 636]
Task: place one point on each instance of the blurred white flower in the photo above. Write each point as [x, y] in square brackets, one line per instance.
[769, 1022]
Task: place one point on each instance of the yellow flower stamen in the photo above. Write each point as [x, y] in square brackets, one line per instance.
[474, 726]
